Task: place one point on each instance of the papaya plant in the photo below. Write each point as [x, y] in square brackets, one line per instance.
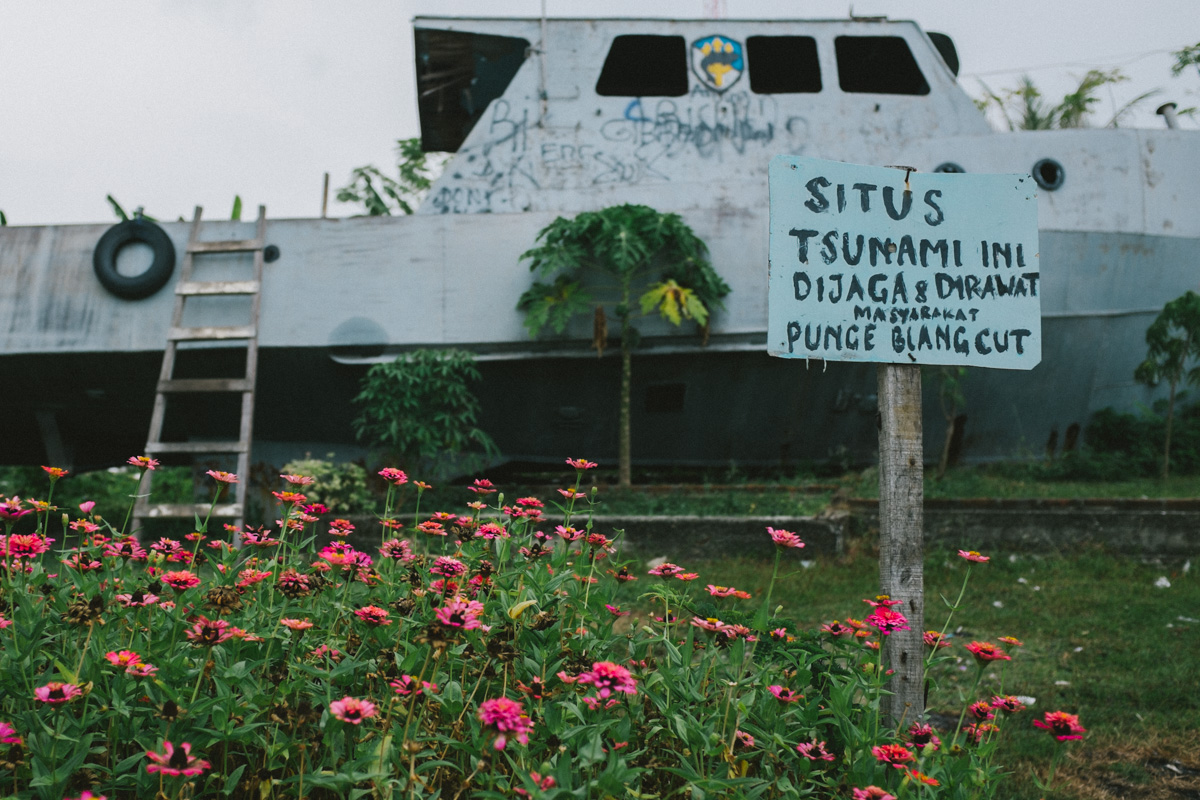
[599, 262]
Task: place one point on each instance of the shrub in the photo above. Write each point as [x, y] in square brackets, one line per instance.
[341, 487]
[420, 411]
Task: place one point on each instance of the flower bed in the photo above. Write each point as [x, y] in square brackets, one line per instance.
[484, 657]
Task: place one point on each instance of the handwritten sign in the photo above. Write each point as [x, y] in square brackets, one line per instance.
[938, 269]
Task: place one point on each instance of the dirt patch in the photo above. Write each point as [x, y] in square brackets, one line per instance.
[1159, 769]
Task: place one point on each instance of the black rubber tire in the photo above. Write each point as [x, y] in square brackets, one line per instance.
[134, 287]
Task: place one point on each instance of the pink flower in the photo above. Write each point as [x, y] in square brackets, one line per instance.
[87, 506]
[893, 754]
[249, 577]
[744, 739]
[836, 628]
[616, 610]
[432, 528]
[727, 591]
[407, 684]
[141, 670]
[297, 480]
[397, 549]
[11, 509]
[143, 463]
[209, 631]
[985, 652]
[540, 783]
[55, 472]
[981, 711]
[8, 734]
[666, 570]
[1062, 726]
[340, 527]
[55, 692]
[448, 567]
[1011, 641]
[971, 555]
[393, 476]
[88, 795]
[352, 710]
[222, 477]
[180, 580]
[490, 530]
[123, 658]
[608, 677]
[460, 613]
[173, 761]
[922, 735]
[976, 732]
[814, 751]
[784, 695]
[296, 624]
[934, 639]
[530, 502]
[136, 599]
[1007, 703]
[887, 619]
[783, 538]
[871, 793]
[581, 464]
[506, 717]
[483, 486]
[373, 615]
[25, 545]
[687, 576]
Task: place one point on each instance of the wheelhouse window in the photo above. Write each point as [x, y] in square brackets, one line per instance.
[783, 64]
[643, 65]
[878, 65]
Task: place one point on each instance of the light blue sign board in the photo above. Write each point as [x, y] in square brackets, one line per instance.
[864, 268]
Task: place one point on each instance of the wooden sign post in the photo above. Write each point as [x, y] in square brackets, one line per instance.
[902, 269]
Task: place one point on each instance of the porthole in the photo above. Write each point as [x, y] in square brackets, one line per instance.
[1049, 174]
[949, 167]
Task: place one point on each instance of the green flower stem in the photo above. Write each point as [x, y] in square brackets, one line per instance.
[957, 603]
[963, 714]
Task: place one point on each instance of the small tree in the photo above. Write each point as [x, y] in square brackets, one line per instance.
[653, 256]
[382, 195]
[1173, 339]
[1024, 108]
[419, 409]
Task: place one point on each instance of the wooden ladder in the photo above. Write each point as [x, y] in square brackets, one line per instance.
[185, 289]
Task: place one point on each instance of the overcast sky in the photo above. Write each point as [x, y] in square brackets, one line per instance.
[172, 103]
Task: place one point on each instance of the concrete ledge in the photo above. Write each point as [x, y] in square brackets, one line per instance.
[1132, 527]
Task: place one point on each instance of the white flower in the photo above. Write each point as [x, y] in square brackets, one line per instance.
[1163, 583]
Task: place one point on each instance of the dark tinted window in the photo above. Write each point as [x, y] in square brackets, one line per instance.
[878, 65]
[458, 74]
[664, 398]
[783, 64]
[645, 66]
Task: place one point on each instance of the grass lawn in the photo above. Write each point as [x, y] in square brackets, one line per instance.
[1100, 640]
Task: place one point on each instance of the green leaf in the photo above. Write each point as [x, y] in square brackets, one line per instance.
[236, 214]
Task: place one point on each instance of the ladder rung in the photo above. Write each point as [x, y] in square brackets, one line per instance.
[190, 510]
[225, 246]
[225, 332]
[196, 447]
[206, 385]
[216, 287]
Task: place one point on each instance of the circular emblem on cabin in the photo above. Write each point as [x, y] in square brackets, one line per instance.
[718, 61]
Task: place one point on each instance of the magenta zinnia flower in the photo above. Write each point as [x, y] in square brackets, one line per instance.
[222, 477]
[142, 462]
[407, 684]
[209, 631]
[922, 735]
[972, 555]
[393, 476]
[122, 659]
[507, 718]
[460, 613]
[871, 793]
[608, 677]
[784, 695]
[8, 734]
[373, 615]
[1062, 726]
[581, 463]
[180, 580]
[814, 751]
[176, 760]
[55, 692]
[483, 486]
[448, 567]
[352, 710]
[783, 538]
[887, 619]
[985, 652]
[893, 754]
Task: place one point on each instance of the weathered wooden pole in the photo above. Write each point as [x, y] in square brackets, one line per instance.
[901, 535]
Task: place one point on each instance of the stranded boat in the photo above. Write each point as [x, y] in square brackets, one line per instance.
[553, 117]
